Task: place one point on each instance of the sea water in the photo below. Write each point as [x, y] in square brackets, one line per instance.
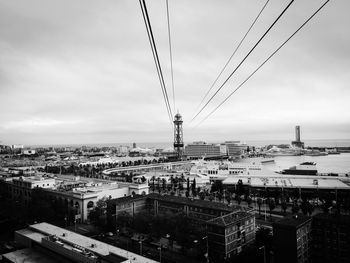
[332, 163]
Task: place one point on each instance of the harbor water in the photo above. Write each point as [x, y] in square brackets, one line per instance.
[333, 163]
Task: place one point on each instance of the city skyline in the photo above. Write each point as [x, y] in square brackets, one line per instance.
[81, 72]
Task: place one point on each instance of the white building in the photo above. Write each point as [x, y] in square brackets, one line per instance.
[202, 149]
[17, 146]
[28, 152]
[236, 148]
[76, 193]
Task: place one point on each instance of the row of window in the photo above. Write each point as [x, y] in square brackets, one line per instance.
[205, 210]
[236, 172]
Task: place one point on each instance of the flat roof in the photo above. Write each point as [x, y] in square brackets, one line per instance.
[294, 181]
[179, 200]
[194, 202]
[129, 198]
[35, 179]
[98, 247]
[293, 221]
[230, 219]
[28, 255]
[33, 235]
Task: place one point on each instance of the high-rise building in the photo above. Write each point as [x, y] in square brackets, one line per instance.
[297, 133]
[297, 143]
[330, 238]
[202, 149]
[292, 239]
[235, 148]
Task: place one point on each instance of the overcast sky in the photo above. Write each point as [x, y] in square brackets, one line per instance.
[83, 72]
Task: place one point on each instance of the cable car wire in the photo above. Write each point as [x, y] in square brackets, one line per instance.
[171, 55]
[262, 64]
[232, 55]
[256, 44]
[156, 57]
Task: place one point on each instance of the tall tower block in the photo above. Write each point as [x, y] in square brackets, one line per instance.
[297, 133]
[178, 135]
[297, 143]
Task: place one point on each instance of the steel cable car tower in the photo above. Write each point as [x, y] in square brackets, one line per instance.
[178, 135]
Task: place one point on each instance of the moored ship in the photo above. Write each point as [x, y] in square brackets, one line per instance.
[305, 168]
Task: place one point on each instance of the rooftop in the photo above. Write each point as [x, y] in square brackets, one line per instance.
[230, 219]
[179, 200]
[294, 221]
[95, 246]
[270, 179]
[28, 255]
[194, 202]
[127, 199]
[33, 179]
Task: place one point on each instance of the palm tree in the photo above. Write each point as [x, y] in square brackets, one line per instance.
[152, 180]
[284, 205]
[259, 202]
[249, 201]
[159, 184]
[163, 184]
[272, 205]
[295, 207]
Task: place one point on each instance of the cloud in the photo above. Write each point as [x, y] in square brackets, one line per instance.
[83, 71]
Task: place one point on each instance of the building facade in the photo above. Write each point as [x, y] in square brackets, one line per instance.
[20, 188]
[235, 148]
[331, 238]
[202, 149]
[229, 228]
[292, 239]
[229, 234]
[76, 194]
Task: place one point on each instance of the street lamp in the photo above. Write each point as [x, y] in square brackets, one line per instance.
[207, 254]
[263, 247]
[160, 253]
[264, 200]
[140, 242]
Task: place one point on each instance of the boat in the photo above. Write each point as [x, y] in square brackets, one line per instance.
[332, 151]
[315, 153]
[267, 160]
[305, 168]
